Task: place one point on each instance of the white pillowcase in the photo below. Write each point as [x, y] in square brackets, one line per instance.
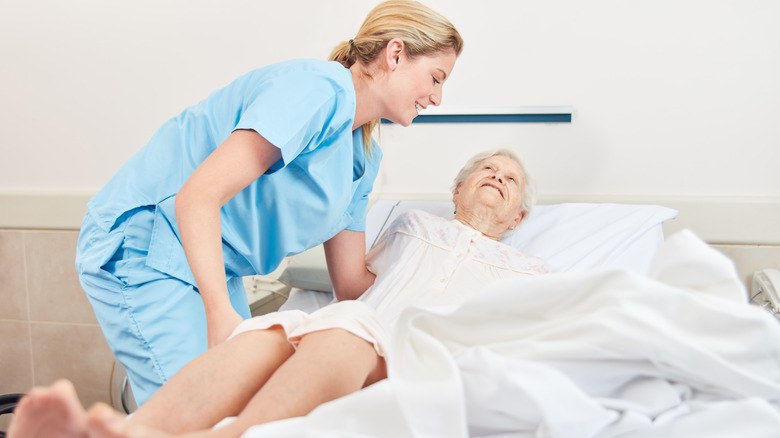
[570, 237]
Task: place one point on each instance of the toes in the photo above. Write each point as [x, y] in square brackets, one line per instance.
[64, 387]
[22, 405]
[48, 412]
[104, 421]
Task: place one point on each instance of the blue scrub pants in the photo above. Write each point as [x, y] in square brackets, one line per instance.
[153, 322]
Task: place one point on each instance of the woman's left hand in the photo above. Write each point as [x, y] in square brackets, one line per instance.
[345, 255]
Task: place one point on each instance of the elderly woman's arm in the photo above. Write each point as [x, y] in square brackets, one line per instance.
[345, 254]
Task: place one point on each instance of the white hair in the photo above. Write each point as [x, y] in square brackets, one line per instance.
[529, 188]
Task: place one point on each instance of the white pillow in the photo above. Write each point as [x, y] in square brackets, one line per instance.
[570, 237]
[581, 236]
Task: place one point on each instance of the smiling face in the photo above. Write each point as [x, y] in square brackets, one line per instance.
[416, 83]
[495, 184]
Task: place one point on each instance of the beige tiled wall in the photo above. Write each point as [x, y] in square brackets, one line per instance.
[47, 326]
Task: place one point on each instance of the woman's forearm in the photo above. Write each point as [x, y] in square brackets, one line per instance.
[241, 159]
[201, 237]
[238, 161]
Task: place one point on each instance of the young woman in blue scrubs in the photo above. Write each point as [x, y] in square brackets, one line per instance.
[277, 162]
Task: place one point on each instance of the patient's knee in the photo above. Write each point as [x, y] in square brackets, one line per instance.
[334, 338]
[273, 337]
[351, 353]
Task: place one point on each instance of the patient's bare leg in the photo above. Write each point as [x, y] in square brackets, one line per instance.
[52, 412]
[326, 365]
[216, 384]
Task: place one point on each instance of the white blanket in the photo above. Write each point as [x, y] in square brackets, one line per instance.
[676, 353]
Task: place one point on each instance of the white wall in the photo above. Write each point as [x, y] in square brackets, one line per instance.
[670, 97]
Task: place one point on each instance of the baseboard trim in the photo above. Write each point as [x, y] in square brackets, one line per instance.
[47, 210]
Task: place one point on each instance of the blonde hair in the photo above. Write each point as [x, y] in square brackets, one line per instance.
[529, 188]
[423, 31]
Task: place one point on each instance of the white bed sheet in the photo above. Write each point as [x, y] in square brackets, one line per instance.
[608, 353]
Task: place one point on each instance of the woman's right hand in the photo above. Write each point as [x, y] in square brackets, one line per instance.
[221, 325]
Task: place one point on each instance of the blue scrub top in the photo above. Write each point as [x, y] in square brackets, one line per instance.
[320, 186]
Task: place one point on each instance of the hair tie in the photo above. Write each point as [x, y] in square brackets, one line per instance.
[352, 44]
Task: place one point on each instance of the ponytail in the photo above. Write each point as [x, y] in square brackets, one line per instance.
[423, 31]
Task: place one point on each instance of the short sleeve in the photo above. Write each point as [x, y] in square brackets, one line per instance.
[296, 109]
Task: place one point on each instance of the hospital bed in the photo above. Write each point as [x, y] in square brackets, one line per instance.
[632, 335]
[569, 236]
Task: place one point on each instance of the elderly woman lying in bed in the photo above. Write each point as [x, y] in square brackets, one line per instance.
[285, 364]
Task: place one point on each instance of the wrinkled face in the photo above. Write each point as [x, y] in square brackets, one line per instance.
[496, 183]
[417, 83]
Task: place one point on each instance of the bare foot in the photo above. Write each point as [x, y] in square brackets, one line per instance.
[105, 422]
[53, 412]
